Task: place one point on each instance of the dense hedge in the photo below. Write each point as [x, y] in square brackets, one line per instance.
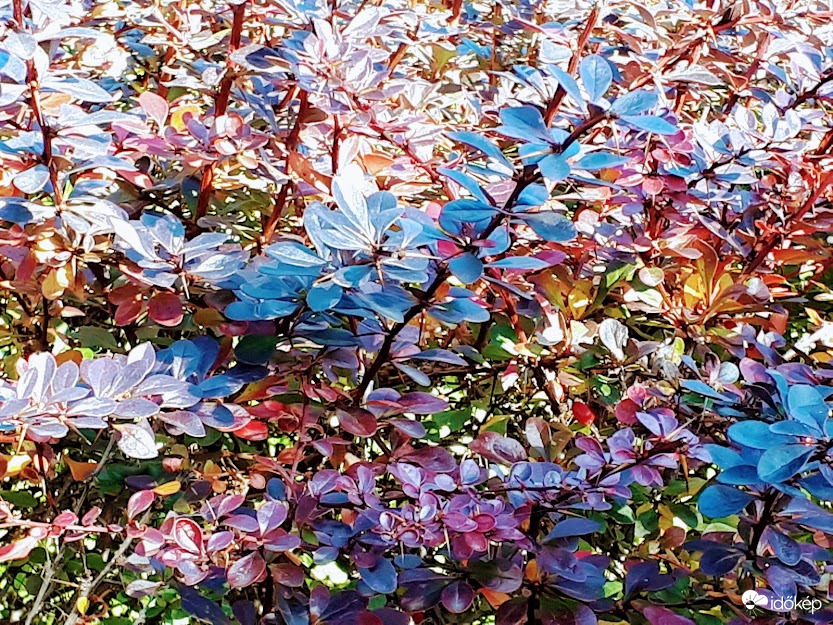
[380, 312]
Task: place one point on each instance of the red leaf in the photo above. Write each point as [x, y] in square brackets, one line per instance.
[139, 502]
[499, 448]
[582, 413]
[165, 309]
[358, 422]
[253, 431]
[127, 312]
[247, 571]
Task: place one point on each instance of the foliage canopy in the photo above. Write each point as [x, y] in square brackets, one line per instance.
[373, 313]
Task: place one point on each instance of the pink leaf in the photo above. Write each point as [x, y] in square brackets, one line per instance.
[188, 535]
[17, 550]
[65, 519]
[155, 106]
[139, 502]
[247, 571]
[90, 517]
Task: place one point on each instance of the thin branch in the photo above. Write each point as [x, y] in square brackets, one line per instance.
[555, 103]
[220, 107]
[760, 256]
[271, 223]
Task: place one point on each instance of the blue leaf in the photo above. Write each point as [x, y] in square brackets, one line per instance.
[479, 142]
[320, 298]
[755, 434]
[458, 214]
[634, 103]
[781, 580]
[650, 123]
[467, 182]
[15, 211]
[459, 310]
[467, 268]
[778, 464]
[596, 75]
[551, 226]
[524, 122]
[719, 561]
[520, 262]
[806, 404]
[794, 428]
[568, 83]
[533, 195]
[573, 527]
[701, 388]
[719, 501]
[381, 577]
[554, 167]
[786, 549]
[741, 475]
[219, 386]
[600, 160]
[198, 606]
[391, 305]
[724, 457]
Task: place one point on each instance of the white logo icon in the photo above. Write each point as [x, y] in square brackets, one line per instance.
[752, 599]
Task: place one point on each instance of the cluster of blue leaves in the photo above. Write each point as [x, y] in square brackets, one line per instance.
[554, 151]
[777, 455]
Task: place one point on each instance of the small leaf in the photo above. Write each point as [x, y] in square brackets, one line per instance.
[554, 167]
[634, 103]
[596, 75]
[381, 577]
[550, 226]
[32, 180]
[778, 464]
[80, 471]
[165, 309]
[458, 597]
[137, 440]
[650, 123]
[466, 267]
[155, 106]
[614, 335]
[139, 502]
[358, 422]
[168, 488]
[600, 160]
[719, 501]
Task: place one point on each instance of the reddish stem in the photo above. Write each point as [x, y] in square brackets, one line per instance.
[291, 143]
[220, 107]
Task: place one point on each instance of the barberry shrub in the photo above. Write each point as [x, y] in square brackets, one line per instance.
[388, 312]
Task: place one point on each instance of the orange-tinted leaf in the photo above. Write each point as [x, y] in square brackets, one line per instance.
[80, 470]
